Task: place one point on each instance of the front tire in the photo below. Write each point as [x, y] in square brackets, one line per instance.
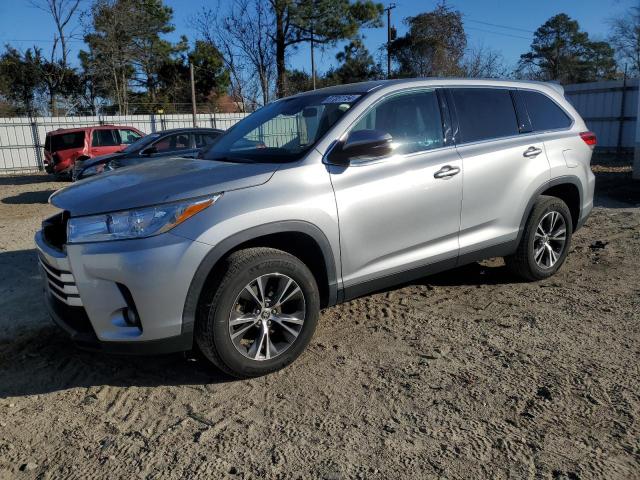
[545, 241]
[261, 315]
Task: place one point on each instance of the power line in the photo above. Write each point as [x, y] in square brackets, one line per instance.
[498, 33]
[507, 27]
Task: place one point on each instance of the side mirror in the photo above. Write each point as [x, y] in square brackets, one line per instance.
[149, 151]
[362, 146]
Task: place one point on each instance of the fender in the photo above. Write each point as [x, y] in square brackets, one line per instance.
[572, 179]
[229, 243]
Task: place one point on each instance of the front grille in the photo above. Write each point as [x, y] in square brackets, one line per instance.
[54, 230]
[61, 284]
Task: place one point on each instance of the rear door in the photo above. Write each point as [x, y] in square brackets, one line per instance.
[104, 141]
[399, 215]
[503, 162]
[563, 147]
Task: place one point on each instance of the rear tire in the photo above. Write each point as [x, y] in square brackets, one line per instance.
[545, 241]
[260, 315]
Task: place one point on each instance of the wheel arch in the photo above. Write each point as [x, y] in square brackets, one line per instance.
[568, 188]
[299, 238]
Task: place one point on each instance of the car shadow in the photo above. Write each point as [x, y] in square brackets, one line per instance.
[28, 198]
[615, 186]
[28, 179]
[492, 272]
[45, 361]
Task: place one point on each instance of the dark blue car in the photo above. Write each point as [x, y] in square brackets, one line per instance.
[177, 142]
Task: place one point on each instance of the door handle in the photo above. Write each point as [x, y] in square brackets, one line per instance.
[446, 172]
[532, 152]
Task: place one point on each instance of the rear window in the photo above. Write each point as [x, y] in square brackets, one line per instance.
[105, 138]
[64, 141]
[543, 112]
[484, 113]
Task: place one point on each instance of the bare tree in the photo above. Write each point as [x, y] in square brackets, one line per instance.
[625, 38]
[482, 62]
[248, 26]
[209, 28]
[57, 72]
[62, 11]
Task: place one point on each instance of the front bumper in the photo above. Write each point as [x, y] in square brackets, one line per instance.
[90, 287]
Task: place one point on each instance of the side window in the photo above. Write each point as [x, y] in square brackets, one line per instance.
[412, 119]
[127, 137]
[484, 113]
[171, 143]
[543, 112]
[205, 139]
[104, 138]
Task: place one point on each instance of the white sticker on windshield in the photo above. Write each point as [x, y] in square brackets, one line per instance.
[341, 99]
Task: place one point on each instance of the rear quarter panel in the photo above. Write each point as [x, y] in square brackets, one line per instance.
[568, 154]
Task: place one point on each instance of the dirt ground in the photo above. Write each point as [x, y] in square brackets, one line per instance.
[468, 374]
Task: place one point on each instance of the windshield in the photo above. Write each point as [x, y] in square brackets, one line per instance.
[282, 131]
[141, 143]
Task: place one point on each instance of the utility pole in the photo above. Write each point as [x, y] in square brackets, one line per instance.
[313, 64]
[313, 60]
[388, 9]
[621, 118]
[193, 95]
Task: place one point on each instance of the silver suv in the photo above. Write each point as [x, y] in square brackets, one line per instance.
[314, 200]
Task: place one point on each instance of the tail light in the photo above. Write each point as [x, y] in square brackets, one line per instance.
[589, 138]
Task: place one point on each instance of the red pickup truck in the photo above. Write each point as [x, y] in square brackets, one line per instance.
[63, 147]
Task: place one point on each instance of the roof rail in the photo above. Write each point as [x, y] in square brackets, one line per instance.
[556, 86]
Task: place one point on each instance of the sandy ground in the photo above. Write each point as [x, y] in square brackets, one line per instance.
[468, 374]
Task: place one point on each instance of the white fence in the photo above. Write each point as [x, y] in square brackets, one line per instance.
[21, 139]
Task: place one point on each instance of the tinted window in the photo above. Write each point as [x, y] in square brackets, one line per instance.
[205, 139]
[171, 143]
[412, 119]
[127, 137]
[484, 113]
[66, 141]
[543, 112]
[105, 138]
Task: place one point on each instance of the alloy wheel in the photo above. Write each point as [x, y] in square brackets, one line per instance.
[267, 316]
[550, 239]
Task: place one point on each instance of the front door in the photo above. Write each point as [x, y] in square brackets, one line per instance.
[399, 215]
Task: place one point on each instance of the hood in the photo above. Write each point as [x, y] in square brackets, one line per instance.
[156, 182]
[101, 159]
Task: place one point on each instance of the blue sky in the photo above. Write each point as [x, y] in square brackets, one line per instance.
[486, 23]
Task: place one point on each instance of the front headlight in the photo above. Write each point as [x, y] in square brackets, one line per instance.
[138, 223]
